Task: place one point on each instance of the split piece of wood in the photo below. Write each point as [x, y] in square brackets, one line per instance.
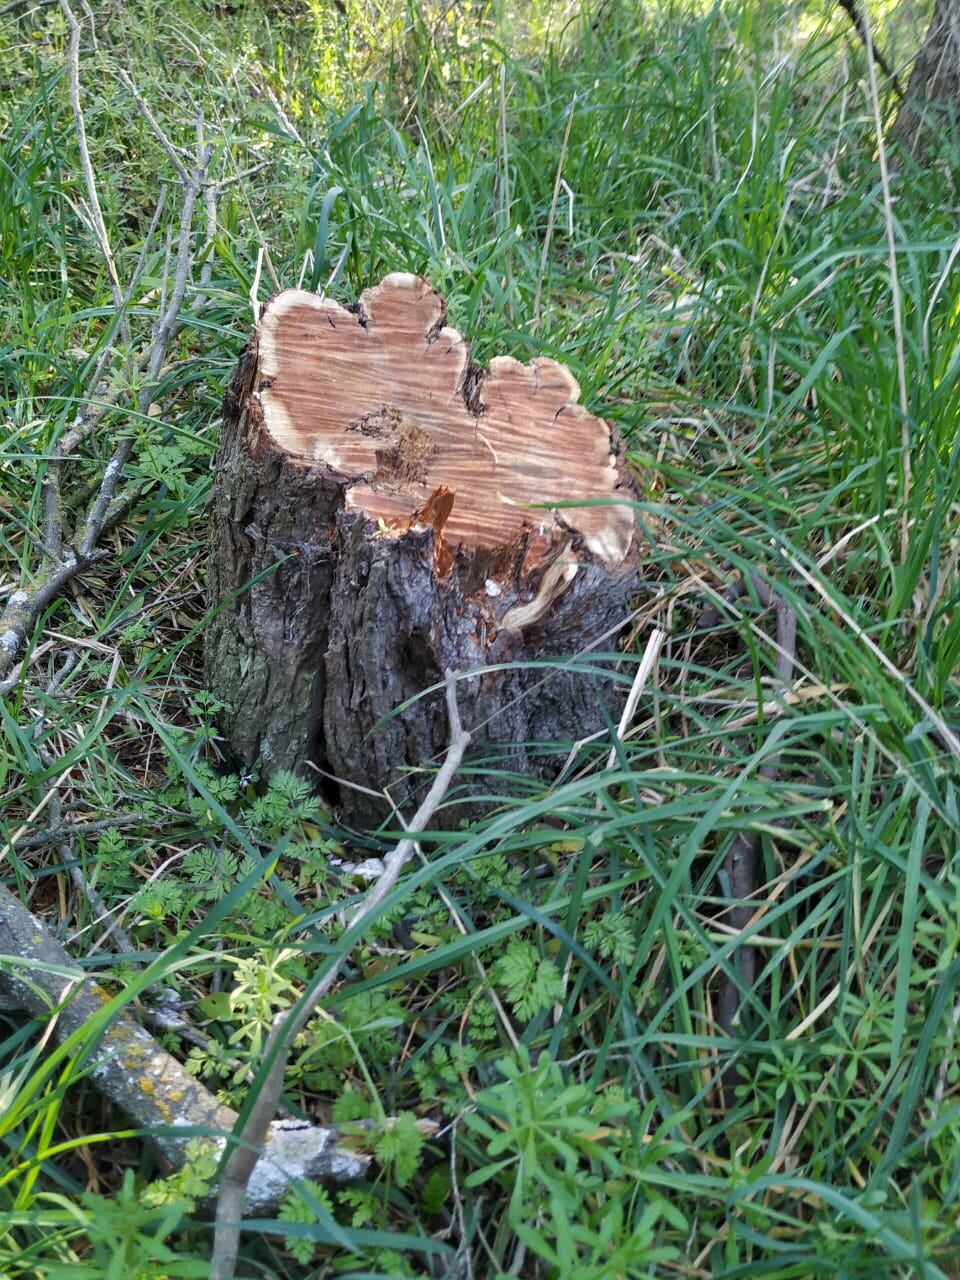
[383, 510]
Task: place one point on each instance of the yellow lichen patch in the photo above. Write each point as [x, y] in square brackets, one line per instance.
[135, 1054]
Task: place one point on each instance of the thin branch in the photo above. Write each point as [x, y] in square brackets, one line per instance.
[461, 927]
[113, 927]
[72, 830]
[98, 226]
[25, 605]
[11, 681]
[210, 196]
[165, 330]
[862, 29]
[90, 416]
[19, 4]
[741, 861]
[551, 220]
[249, 1140]
[173, 154]
[52, 514]
[63, 839]
[93, 523]
[96, 518]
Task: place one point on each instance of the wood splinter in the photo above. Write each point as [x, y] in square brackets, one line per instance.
[383, 510]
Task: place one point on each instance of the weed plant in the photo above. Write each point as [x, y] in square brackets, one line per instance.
[683, 203]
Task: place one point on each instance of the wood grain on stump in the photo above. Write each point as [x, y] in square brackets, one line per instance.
[383, 510]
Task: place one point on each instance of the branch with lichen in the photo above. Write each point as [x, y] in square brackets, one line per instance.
[145, 1081]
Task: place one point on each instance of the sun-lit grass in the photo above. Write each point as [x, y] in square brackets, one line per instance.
[717, 279]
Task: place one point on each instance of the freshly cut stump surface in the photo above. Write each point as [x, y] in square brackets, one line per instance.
[384, 510]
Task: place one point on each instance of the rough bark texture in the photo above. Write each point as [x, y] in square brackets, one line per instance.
[933, 95]
[373, 524]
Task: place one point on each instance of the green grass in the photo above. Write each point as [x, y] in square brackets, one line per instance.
[716, 276]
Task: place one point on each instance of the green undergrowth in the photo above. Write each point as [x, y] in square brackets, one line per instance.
[684, 204]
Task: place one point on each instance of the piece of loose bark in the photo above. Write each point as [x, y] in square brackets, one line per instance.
[384, 511]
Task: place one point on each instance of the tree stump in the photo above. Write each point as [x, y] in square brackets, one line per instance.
[384, 510]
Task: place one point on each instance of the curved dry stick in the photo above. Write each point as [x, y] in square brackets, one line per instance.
[242, 1161]
[740, 863]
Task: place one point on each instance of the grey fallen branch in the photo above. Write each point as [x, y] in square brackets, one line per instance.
[740, 863]
[43, 837]
[242, 1163]
[128, 1065]
[145, 1081]
[69, 551]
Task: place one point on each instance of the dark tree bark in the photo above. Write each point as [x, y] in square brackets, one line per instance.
[932, 101]
[381, 513]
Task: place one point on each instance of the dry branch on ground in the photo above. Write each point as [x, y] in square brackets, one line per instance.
[71, 541]
[145, 1081]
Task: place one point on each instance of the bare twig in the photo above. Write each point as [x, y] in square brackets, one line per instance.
[67, 556]
[464, 1261]
[173, 154]
[210, 193]
[71, 830]
[23, 607]
[192, 189]
[461, 927]
[11, 681]
[740, 863]
[861, 26]
[551, 220]
[113, 927]
[97, 224]
[20, 4]
[249, 1140]
[63, 840]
